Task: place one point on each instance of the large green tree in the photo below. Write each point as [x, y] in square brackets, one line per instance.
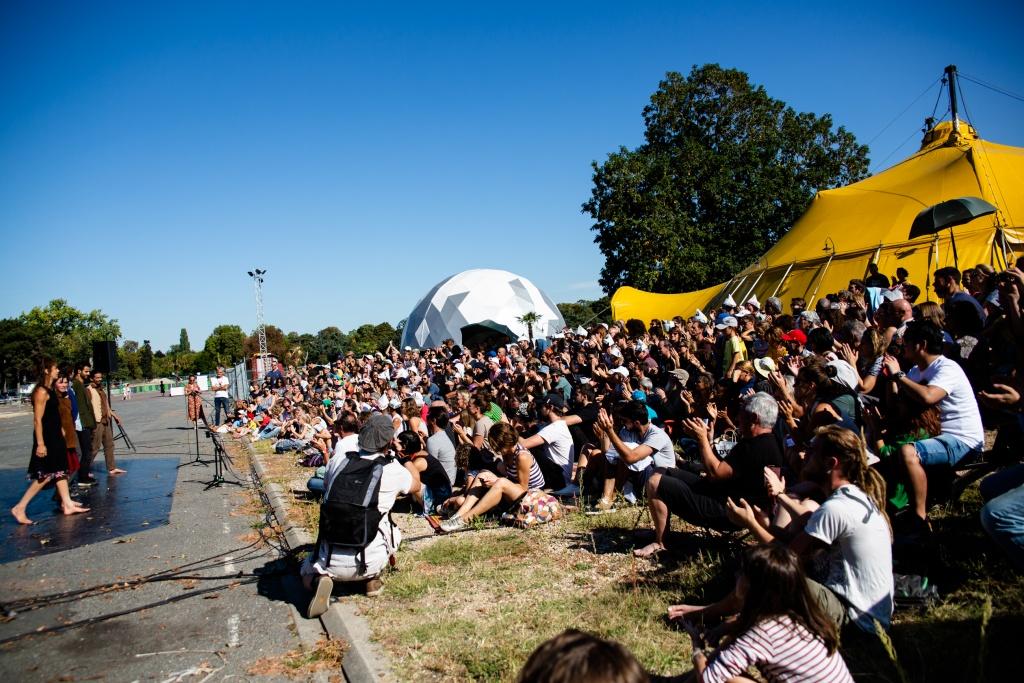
[724, 171]
[224, 346]
[330, 342]
[66, 333]
[277, 343]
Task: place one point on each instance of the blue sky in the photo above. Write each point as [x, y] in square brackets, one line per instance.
[361, 154]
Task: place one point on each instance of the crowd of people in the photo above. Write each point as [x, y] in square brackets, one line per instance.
[823, 433]
[71, 421]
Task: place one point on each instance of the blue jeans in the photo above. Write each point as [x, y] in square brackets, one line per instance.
[1003, 514]
[941, 450]
[268, 433]
[220, 402]
[290, 445]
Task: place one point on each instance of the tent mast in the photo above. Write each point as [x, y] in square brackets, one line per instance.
[951, 82]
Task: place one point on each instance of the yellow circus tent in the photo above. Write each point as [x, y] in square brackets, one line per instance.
[847, 228]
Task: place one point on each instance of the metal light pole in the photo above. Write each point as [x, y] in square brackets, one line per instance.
[261, 327]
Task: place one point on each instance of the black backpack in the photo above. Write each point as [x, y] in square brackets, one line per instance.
[348, 515]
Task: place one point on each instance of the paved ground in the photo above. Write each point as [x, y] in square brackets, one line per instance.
[228, 616]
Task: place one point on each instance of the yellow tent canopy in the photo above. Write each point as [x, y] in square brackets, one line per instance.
[869, 221]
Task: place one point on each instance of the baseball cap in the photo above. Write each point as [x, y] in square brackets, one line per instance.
[639, 396]
[727, 321]
[620, 371]
[555, 400]
[795, 335]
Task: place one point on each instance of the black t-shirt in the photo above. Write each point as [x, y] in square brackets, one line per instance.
[748, 459]
[584, 431]
[434, 476]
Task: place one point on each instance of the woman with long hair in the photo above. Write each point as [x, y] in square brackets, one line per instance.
[49, 461]
[781, 630]
[194, 401]
[520, 474]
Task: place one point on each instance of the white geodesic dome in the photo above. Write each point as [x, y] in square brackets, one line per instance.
[479, 296]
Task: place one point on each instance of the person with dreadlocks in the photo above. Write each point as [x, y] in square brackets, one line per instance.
[851, 524]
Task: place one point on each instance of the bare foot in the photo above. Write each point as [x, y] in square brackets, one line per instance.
[19, 514]
[73, 509]
[117, 470]
[649, 550]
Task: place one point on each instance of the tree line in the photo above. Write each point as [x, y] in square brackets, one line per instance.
[60, 331]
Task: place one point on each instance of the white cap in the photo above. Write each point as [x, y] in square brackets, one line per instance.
[752, 301]
[619, 371]
[729, 301]
[700, 317]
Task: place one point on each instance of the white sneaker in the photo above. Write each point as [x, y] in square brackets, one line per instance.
[454, 523]
[321, 598]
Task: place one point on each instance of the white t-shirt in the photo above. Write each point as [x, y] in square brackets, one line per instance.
[612, 454]
[558, 446]
[441, 448]
[344, 563]
[346, 444]
[860, 554]
[220, 387]
[958, 410]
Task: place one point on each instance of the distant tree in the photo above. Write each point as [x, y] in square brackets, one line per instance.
[65, 333]
[146, 360]
[529, 319]
[183, 343]
[277, 343]
[328, 345]
[17, 351]
[129, 361]
[584, 312]
[724, 171]
[225, 345]
[370, 338]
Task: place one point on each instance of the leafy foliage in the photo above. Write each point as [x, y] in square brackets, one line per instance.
[224, 346]
[724, 172]
[584, 312]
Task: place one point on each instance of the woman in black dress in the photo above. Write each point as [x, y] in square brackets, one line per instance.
[49, 460]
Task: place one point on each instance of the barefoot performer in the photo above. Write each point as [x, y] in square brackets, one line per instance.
[49, 461]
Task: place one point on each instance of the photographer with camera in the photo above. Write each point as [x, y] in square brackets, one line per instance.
[357, 537]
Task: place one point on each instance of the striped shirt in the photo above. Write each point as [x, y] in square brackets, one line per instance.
[512, 470]
[782, 650]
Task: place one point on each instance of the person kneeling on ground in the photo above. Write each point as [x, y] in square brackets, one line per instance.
[781, 629]
[521, 474]
[701, 499]
[851, 524]
[333, 562]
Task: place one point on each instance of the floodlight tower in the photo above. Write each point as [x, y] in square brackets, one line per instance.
[261, 327]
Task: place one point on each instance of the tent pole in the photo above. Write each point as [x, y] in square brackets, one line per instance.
[747, 295]
[821, 278]
[783, 280]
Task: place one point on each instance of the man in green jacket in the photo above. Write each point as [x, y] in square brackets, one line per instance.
[88, 420]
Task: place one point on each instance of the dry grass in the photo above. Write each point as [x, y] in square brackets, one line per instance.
[473, 605]
[300, 663]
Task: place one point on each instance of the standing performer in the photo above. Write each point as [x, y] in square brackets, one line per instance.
[49, 461]
[103, 435]
[194, 399]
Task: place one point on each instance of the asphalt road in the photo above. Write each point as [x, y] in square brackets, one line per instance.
[232, 614]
